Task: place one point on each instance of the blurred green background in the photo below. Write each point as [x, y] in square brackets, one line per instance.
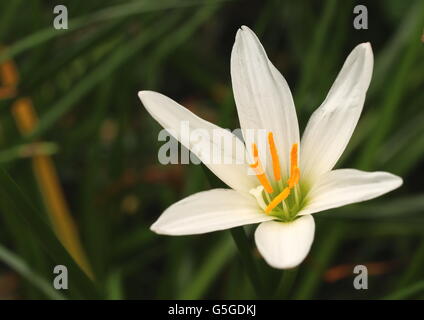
[83, 84]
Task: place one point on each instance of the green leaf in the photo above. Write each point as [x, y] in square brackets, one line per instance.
[15, 202]
[406, 293]
[113, 12]
[22, 267]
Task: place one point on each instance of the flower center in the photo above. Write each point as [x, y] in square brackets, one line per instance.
[282, 198]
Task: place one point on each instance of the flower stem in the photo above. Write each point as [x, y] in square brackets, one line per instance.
[242, 243]
[245, 250]
[286, 283]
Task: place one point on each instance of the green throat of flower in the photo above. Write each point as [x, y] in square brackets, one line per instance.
[281, 199]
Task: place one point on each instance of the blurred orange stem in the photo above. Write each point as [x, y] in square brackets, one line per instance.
[9, 78]
[51, 190]
[45, 171]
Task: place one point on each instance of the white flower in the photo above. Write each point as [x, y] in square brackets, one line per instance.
[298, 179]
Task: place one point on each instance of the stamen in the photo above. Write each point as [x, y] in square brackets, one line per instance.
[294, 169]
[274, 156]
[293, 159]
[294, 179]
[260, 174]
[281, 197]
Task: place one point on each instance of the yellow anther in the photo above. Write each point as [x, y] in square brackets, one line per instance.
[294, 169]
[293, 159]
[259, 172]
[281, 197]
[294, 179]
[274, 156]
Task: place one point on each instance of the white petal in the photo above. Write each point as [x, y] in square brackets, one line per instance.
[345, 186]
[285, 245]
[331, 126]
[262, 96]
[207, 211]
[258, 194]
[233, 169]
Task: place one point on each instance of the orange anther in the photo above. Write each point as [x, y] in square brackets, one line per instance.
[293, 159]
[294, 179]
[274, 156]
[259, 172]
[281, 197]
